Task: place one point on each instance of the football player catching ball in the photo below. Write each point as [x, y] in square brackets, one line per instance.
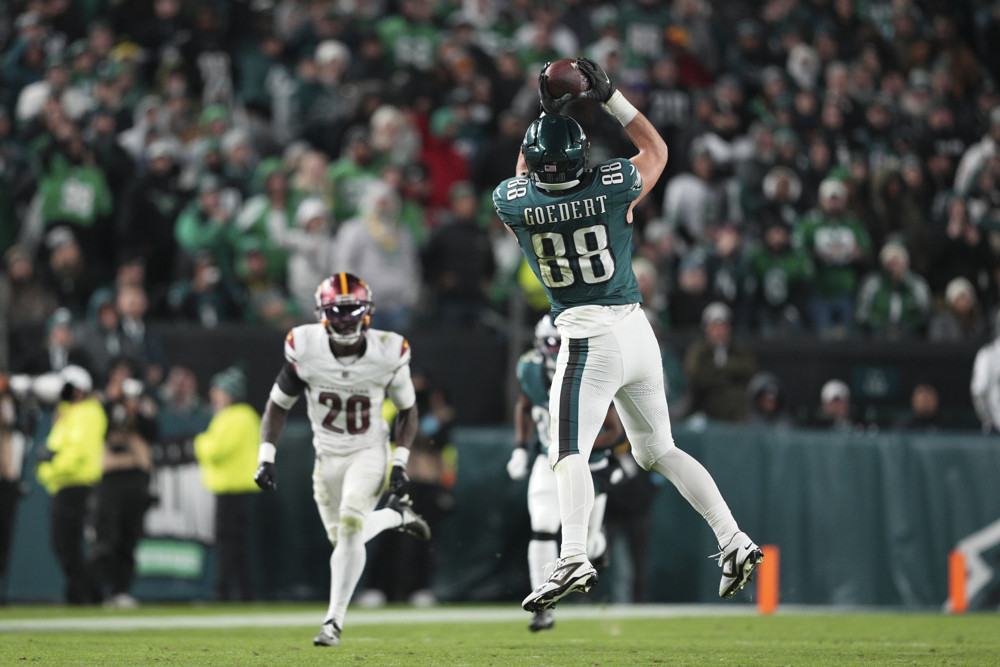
[574, 226]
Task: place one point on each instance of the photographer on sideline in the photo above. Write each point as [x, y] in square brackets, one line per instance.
[123, 492]
[70, 465]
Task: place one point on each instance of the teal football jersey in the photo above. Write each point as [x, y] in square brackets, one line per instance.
[535, 380]
[578, 244]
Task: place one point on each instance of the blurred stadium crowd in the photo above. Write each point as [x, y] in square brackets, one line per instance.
[833, 168]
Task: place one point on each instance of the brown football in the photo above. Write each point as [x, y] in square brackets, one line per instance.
[563, 76]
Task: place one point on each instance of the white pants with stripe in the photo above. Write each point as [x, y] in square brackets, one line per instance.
[624, 366]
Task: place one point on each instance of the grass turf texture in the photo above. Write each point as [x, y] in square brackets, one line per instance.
[281, 634]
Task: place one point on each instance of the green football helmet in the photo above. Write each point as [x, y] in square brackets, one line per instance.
[555, 148]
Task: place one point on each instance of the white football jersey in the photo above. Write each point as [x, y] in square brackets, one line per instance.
[344, 398]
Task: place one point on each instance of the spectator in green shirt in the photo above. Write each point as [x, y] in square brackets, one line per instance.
[781, 279]
[838, 244]
[206, 225]
[894, 303]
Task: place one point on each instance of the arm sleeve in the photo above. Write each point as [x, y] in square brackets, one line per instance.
[289, 382]
[287, 387]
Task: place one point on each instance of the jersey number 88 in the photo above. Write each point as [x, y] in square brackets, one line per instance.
[593, 261]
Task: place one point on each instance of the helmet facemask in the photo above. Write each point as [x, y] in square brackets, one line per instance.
[344, 307]
[346, 322]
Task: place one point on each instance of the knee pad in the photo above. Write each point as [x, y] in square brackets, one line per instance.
[538, 536]
[545, 521]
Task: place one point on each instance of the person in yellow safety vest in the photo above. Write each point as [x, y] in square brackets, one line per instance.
[227, 454]
[70, 466]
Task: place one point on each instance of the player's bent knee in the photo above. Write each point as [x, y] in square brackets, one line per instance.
[350, 525]
[646, 456]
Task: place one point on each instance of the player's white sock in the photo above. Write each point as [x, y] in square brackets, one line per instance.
[346, 566]
[384, 519]
[698, 488]
[540, 554]
[576, 499]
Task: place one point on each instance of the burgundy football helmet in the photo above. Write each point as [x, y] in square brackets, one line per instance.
[344, 306]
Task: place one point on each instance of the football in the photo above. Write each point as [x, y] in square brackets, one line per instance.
[563, 76]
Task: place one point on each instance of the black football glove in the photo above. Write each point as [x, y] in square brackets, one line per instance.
[550, 104]
[399, 482]
[266, 477]
[601, 89]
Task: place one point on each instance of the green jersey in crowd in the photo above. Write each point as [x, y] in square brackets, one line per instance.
[578, 242]
[835, 245]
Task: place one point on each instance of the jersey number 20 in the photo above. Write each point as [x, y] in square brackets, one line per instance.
[593, 261]
[355, 412]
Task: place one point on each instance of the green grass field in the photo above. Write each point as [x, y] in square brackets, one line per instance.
[281, 634]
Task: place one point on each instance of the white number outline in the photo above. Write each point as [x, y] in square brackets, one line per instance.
[517, 188]
[611, 174]
[586, 261]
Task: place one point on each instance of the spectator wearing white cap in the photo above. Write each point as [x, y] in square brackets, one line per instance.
[838, 244]
[835, 409]
[960, 317]
[375, 244]
[695, 200]
[718, 368]
[894, 302]
[70, 465]
[310, 247]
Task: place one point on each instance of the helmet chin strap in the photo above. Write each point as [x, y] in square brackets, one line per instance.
[558, 186]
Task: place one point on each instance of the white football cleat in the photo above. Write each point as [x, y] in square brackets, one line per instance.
[542, 620]
[329, 635]
[737, 561]
[569, 575]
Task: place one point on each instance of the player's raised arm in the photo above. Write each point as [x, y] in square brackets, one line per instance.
[652, 156]
[286, 390]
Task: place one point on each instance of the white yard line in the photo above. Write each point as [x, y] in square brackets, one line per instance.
[443, 614]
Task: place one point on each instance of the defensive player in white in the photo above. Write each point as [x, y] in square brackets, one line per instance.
[574, 226]
[535, 370]
[346, 370]
[985, 385]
